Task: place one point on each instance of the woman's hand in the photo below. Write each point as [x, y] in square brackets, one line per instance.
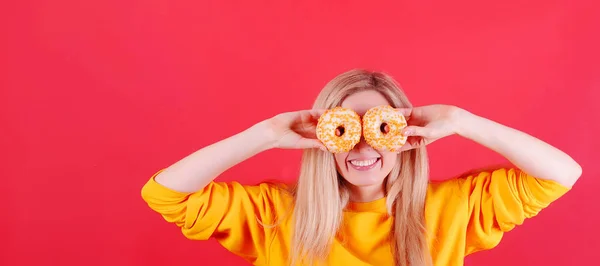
[427, 124]
[294, 130]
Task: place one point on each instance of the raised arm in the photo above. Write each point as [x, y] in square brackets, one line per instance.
[198, 169]
[495, 201]
[531, 155]
[186, 195]
[293, 130]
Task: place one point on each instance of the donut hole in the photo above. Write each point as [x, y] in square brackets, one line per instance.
[384, 128]
[339, 131]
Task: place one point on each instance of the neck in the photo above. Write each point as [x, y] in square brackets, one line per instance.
[366, 193]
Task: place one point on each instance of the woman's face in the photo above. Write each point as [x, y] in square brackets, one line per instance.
[364, 166]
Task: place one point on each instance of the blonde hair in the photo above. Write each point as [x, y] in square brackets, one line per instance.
[321, 193]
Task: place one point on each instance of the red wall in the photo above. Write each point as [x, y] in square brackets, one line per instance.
[95, 97]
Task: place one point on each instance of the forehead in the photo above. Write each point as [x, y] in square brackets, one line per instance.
[362, 101]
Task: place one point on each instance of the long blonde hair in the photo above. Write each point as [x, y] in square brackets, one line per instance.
[321, 193]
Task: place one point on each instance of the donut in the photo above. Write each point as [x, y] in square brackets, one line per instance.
[382, 128]
[339, 129]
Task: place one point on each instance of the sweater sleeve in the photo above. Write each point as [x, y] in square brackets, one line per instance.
[231, 213]
[501, 199]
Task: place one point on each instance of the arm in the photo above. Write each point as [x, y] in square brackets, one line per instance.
[186, 195]
[482, 206]
[528, 153]
[535, 157]
[493, 202]
[198, 169]
[292, 130]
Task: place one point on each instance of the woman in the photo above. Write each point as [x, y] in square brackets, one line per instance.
[340, 214]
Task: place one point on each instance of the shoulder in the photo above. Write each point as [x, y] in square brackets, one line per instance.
[440, 189]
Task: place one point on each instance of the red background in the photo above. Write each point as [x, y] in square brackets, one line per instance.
[95, 97]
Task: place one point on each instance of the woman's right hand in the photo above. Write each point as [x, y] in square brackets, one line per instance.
[294, 130]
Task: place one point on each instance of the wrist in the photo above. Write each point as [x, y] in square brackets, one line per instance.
[262, 135]
[462, 122]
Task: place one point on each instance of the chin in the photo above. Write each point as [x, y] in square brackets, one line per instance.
[362, 181]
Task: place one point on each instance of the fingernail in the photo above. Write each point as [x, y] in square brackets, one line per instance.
[407, 133]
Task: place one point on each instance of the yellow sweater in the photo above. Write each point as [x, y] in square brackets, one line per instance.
[463, 215]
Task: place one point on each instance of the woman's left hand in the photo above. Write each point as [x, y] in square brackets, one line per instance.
[427, 124]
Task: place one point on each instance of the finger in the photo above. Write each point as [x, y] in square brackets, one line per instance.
[305, 143]
[417, 131]
[416, 142]
[316, 113]
[413, 143]
[406, 147]
[417, 112]
[404, 111]
[301, 116]
[310, 115]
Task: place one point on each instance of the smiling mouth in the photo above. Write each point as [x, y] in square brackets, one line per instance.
[363, 165]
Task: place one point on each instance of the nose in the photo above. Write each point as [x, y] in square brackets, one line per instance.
[362, 146]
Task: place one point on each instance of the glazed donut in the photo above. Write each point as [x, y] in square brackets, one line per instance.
[382, 128]
[339, 129]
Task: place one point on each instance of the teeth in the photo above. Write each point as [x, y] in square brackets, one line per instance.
[363, 163]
